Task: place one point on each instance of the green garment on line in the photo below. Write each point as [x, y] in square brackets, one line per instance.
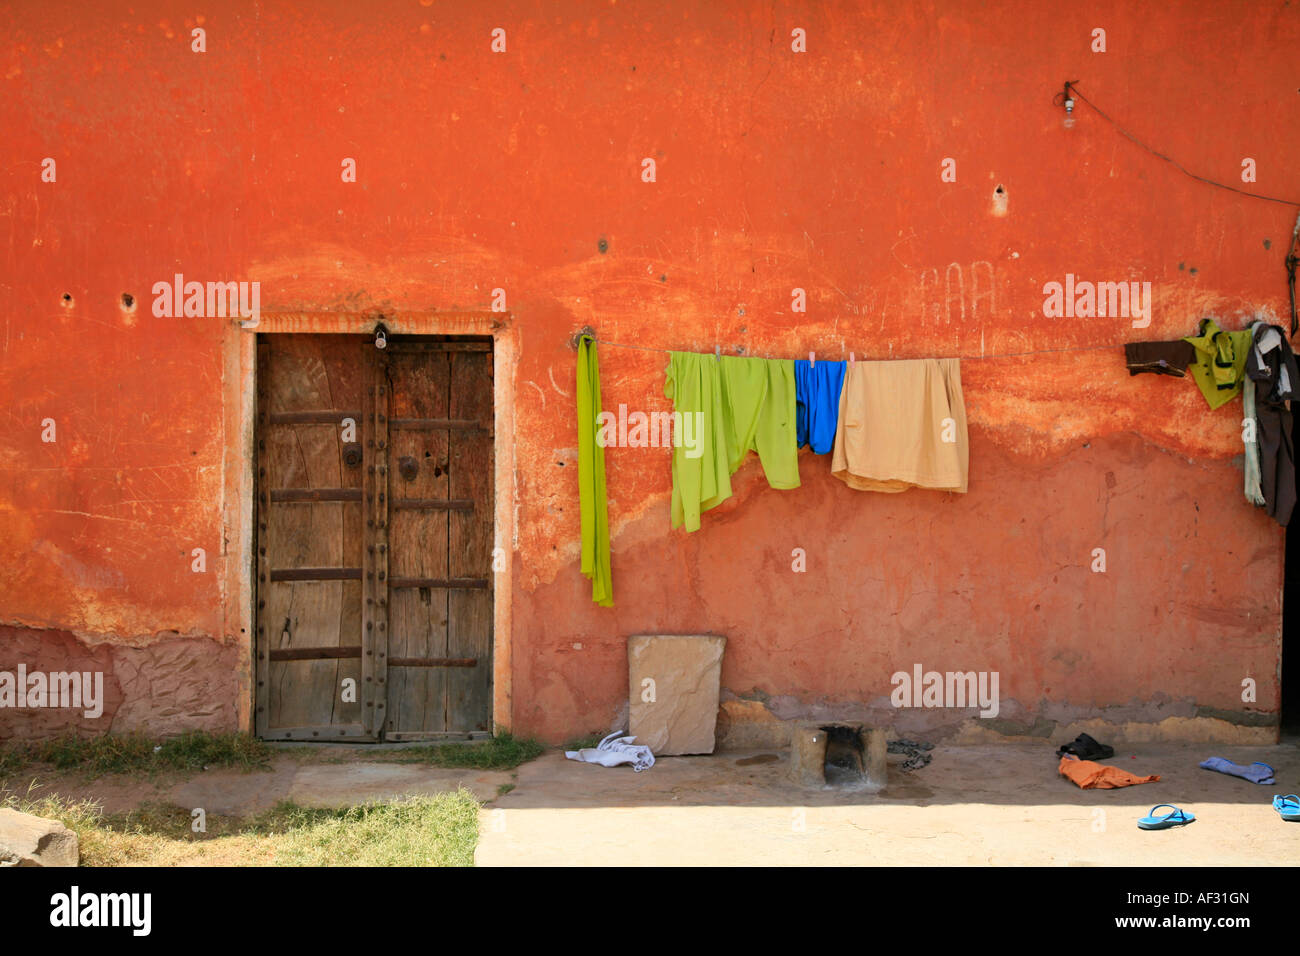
[591, 477]
[728, 407]
[1220, 364]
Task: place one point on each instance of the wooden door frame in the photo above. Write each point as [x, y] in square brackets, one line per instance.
[239, 528]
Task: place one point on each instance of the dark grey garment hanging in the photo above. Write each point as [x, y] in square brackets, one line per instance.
[1272, 366]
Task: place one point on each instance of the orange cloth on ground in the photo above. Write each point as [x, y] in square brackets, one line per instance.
[902, 425]
[1097, 776]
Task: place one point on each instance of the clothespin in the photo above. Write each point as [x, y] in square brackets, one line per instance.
[717, 353]
[812, 359]
[851, 358]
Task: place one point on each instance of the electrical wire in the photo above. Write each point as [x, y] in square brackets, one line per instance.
[964, 358]
[1072, 90]
[1169, 159]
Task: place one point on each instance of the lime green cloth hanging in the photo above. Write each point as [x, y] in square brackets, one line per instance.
[591, 477]
[701, 478]
[1220, 366]
[759, 395]
[729, 408]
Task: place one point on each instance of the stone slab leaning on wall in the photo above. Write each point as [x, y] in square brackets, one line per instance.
[673, 682]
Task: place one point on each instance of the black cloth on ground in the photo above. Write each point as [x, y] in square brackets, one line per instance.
[1085, 748]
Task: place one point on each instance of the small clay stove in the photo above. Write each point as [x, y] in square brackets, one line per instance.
[838, 755]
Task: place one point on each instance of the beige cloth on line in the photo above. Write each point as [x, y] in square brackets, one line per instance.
[894, 417]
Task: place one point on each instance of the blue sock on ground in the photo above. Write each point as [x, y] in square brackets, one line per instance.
[1255, 773]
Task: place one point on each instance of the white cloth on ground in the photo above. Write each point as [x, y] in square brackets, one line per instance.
[614, 750]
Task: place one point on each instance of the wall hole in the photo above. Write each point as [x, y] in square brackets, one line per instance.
[1000, 200]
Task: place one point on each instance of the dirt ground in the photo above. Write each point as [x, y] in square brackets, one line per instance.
[973, 805]
[326, 779]
[988, 805]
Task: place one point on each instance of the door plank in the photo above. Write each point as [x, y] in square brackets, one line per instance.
[262, 505]
[325, 417]
[439, 583]
[316, 574]
[325, 732]
[316, 494]
[433, 662]
[419, 541]
[314, 653]
[437, 424]
[469, 690]
[376, 635]
[436, 504]
[441, 345]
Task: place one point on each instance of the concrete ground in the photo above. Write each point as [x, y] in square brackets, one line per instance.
[987, 805]
[1002, 804]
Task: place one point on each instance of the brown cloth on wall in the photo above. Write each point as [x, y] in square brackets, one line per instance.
[902, 425]
[1090, 775]
[1162, 358]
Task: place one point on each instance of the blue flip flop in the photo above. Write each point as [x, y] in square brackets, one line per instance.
[1288, 807]
[1177, 818]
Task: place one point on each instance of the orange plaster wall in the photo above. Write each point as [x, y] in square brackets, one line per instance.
[775, 170]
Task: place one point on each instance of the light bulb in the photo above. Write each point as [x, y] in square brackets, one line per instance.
[1069, 114]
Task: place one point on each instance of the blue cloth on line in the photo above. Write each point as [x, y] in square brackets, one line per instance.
[817, 389]
[1256, 773]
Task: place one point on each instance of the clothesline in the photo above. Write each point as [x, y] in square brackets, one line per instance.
[776, 407]
[964, 358]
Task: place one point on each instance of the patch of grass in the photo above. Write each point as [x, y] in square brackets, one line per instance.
[582, 743]
[441, 830]
[159, 818]
[418, 831]
[504, 788]
[136, 753]
[12, 757]
[502, 752]
[110, 753]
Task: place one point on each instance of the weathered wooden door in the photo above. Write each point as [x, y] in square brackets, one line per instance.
[374, 503]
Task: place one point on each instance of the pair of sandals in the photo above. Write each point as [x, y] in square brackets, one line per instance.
[1288, 808]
